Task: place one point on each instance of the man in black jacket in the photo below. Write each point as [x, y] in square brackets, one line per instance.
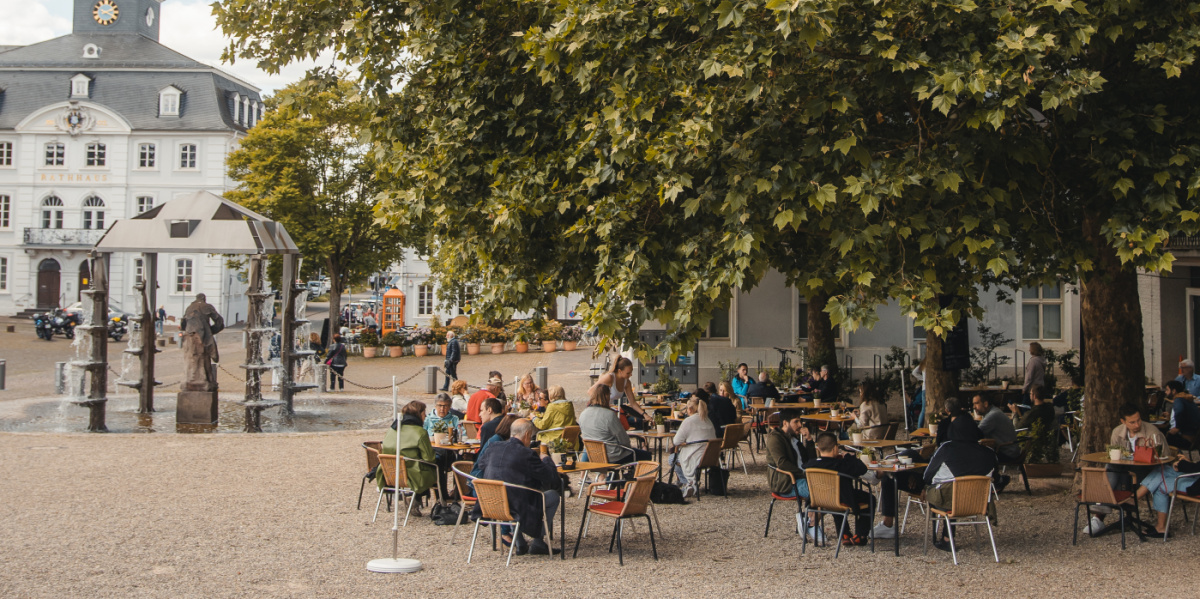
[961, 455]
[513, 462]
[763, 388]
[830, 457]
[720, 408]
[453, 356]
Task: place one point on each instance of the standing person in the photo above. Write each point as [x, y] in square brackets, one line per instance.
[1035, 371]
[336, 360]
[916, 408]
[741, 382]
[453, 355]
[160, 321]
[689, 448]
[1189, 378]
[617, 382]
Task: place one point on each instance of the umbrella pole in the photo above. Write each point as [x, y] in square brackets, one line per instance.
[395, 565]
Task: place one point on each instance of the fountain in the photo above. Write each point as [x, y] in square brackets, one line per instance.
[255, 331]
[294, 303]
[141, 347]
[91, 344]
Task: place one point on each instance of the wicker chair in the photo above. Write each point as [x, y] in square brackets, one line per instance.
[616, 488]
[372, 448]
[892, 429]
[731, 445]
[399, 488]
[597, 451]
[471, 429]
[825, 497]
[777, 497]
[636, 500]
[571, 435]
[1095, 492]
[1184, 497]
[968, 507]
[465, 501]
[492, 496]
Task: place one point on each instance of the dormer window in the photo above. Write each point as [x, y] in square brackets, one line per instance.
[80, 86]
[168, 101]
[91, 51]
[246, 110]
[255, 113]
[237, 107]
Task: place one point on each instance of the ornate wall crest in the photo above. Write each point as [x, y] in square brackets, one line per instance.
[75, 120]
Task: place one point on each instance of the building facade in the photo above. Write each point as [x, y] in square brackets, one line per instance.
[104, 124]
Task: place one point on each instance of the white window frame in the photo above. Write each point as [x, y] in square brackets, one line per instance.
[59, 157]
[180, 164]
[425, 299]
[237, 108]
[180, 283]
[95, 154]
[52, 214]
[7, 149]
[81, 86]
[147, 161]
[93, 213]
[139, 269]
[4, 272]
[169, 100]
[5, 211]
[1041, 302]
[137, 203]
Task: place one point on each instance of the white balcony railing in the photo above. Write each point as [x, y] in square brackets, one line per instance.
[63, 237]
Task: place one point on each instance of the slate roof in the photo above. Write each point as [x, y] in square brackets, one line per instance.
[127, 77]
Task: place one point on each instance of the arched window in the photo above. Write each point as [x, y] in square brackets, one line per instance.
[93, 213]
[52, 213]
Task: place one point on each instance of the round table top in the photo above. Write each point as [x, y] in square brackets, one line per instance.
[876, 443]
[1101, 457]
[828, 418]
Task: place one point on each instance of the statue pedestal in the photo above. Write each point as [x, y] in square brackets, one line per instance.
[196, 407]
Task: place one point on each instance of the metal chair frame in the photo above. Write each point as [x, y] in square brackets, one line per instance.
[835, 506]
[372, 448]
[460, 482]
[776, 497]
[617, 488]
[636, 501]
[966, 509]
[731, 444]
[1178, 494]
[401, 489]
[506, 517]
[1094, 492]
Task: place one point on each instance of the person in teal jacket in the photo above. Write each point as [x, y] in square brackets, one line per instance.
[414, 443]
[741, 382]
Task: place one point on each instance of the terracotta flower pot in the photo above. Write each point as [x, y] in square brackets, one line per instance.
[570, 345]
[497, 348]
[522, 347]
[420, 350]
[549, 346]
[370, 352]
[472, 349]
[395, 351]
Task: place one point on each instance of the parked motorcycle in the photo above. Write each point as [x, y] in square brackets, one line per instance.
[117, 326]
[64, 323]
[42, 326]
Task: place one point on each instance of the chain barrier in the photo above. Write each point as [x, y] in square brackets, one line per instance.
[235, 377]
[512, 384]
[387, 386]
[160, 386]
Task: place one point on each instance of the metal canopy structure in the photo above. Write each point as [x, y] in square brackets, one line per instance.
[203, 222]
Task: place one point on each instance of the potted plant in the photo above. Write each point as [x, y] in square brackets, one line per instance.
[420, 338]
[471, 335]
[868, 457]
[856, 435]
[1114, 452]
[660, 423]
[559, 447]
[816, 398]
[369, 342]
[570, 337]
[394, 340]
[932, 421]
[441, 432]
[548, 335]
[497, 336]
[1042, 454]
[520, 332]
[666, 384]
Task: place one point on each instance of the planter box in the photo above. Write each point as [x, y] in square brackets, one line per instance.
[1043, 470]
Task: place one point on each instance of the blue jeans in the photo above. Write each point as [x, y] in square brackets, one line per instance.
[800, 490]
[1161, 483]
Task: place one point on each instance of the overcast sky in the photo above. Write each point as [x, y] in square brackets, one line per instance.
[187, 26]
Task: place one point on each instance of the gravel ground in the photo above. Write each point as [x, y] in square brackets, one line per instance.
[274, 515]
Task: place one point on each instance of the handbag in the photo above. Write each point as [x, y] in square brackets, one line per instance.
[1143, 454]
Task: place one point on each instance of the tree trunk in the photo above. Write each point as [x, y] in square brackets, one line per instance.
[335, 297]
[821, 348]
[939, 384]
[1114, 363]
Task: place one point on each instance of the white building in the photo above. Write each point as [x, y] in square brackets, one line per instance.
[100, 125]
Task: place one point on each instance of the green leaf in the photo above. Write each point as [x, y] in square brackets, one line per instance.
[843, 145]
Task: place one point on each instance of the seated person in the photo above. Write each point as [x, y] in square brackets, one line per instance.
[1159, 484]
[871, 414]
[688, 447]
[962, 455]
[598, 422]
[788, 447]
[513, 462]
[494, 388]
[741, 382]
[827, 386]
[1042, 411]
[720, 406]
[414, 443]
[1185, 416]
[489, 414]
[540, 401]
[830, 457]
[458, 398]
[996, 425]
[449, 422]
[559, 413]
[1131, 432]
[764, 388]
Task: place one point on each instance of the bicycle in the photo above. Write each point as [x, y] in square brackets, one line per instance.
[785, 363]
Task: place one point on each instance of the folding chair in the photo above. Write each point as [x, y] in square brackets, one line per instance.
[968, 507]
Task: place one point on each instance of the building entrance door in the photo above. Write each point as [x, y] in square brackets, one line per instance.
[48, 280]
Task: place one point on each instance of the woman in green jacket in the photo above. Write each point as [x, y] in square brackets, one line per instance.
[558, 414]
[414, 443]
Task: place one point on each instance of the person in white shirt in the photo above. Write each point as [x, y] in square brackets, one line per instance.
[689, 445]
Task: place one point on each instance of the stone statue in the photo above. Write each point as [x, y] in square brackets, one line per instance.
[200, 322]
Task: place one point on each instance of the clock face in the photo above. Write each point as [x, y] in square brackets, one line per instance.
[150, 16]
[105, 12]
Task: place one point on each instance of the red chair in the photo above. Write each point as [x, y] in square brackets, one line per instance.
[777, 497]
[636, 500]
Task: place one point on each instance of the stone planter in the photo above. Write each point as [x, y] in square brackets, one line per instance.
[522, 347]
[420, 350]
[498, 348]
[370, 352]
[549, 346]
[570, 345]
[472, 349]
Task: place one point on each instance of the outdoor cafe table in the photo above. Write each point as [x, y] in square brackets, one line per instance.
[467, 447]
[892, 471]
[878, 443]
[657, 437]
[1101, 457]
[562, 496]
[827, 418]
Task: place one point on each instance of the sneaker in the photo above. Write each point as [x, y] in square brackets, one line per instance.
[815, 534]
[801, 523]
[1004, 480]
[883, 531]
[855, 540]
[1095, 526]
[870, 478]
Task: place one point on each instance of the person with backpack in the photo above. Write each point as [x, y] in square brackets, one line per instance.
[336, 360]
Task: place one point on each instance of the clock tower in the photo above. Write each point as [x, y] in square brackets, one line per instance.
[117, 16]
